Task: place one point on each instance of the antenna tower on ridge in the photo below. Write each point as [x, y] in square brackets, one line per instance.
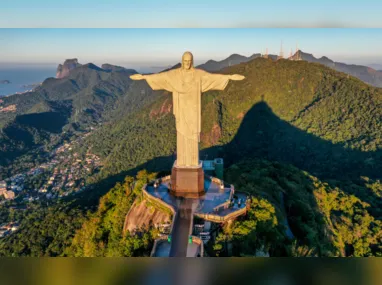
[281, 51]
[266, 53]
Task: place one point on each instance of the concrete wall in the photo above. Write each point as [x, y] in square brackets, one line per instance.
[156, 242]
[159, 201]
[197, 240]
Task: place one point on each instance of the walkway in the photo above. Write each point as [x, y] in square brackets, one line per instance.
[181, 229]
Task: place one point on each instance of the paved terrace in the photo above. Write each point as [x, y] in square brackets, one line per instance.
[216, 201]
[217, 205]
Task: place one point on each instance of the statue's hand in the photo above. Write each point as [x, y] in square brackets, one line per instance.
[237, 77]
[137, 77]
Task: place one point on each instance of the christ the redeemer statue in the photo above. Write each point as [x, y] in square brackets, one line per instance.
[186, 84]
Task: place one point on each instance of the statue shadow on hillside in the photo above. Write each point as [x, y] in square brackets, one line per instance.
[263, 135]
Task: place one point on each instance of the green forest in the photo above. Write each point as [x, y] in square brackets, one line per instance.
[304, 140]
[101, 234]
[325, 219]
[289, 111]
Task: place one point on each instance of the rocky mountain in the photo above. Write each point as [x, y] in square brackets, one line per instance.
[365, 73]
[64, 69]
[233, 59]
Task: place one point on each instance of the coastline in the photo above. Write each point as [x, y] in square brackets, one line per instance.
[34, 86]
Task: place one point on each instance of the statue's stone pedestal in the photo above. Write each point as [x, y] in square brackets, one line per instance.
[187, 181]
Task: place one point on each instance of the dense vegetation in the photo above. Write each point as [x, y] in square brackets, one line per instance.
[303, 139]
[101, 234]
[325, 220]
[65, 229]
[294, 112]
[44, 231]
[88, 96]
[135, 140]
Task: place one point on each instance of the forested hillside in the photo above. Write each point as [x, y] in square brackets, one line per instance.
[326, 218]
[102, 235]
[88, 96]
[303, 139]
[296, 112]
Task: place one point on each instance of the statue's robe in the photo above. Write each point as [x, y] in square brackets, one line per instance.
[186, 88]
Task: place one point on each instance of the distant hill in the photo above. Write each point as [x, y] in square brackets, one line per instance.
[178, 65]
[233, 59]
[365, 73]
[116, 68]
[86, 96]
[296, 112]
[376, 66]
[304, 139]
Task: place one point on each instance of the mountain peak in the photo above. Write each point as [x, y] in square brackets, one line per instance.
[178, 65]
[64, 69]
[255, 55]
[92, 66]
[117, 68]
[234, 55]
[233, 59]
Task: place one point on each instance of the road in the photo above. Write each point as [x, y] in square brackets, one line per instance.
[181, 229]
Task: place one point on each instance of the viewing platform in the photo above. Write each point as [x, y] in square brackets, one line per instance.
[218, 204]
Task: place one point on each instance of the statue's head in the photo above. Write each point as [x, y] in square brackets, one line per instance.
[187, 60]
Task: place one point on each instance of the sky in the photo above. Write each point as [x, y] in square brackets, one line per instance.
[164, 47]
[155, 33]
[194, 14]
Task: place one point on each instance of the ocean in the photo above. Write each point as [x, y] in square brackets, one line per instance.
[19, 76]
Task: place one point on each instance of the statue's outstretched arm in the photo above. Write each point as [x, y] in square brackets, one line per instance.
[157, 81]
[137, 77]
[236, 77]
[215, 81]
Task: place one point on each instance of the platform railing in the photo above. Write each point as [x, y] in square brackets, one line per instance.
[222, 219]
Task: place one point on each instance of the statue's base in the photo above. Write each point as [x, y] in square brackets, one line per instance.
[186, 181]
